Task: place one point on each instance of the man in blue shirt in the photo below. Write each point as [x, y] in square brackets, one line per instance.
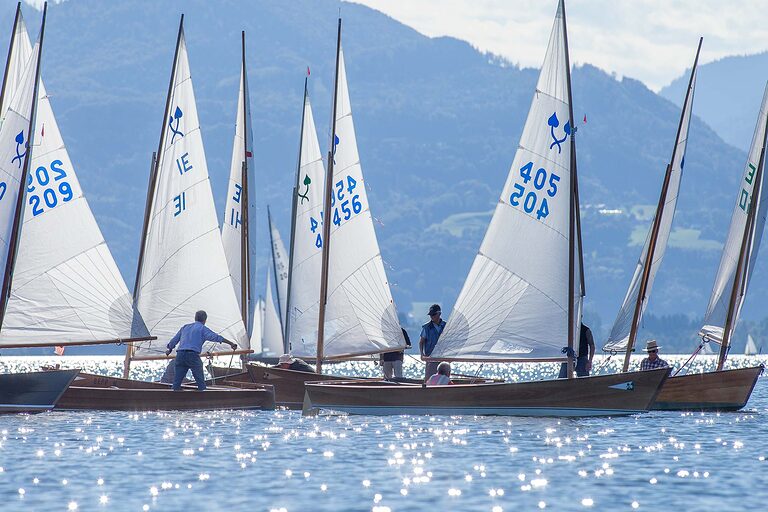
[430, 333]
[190, 339]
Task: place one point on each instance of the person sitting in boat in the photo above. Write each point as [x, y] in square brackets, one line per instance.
[653, 360]
[443, 375]
[392, 362]
[430, 333]
[190, 339]
[288, 362]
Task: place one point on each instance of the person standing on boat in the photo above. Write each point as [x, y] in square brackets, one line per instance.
[430, 333]
[653, 360]
[190, 339]
[392, 362]
[586, 352]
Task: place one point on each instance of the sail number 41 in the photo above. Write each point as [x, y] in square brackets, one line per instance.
[529, 200]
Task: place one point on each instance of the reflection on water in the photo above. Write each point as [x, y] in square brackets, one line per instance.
[281, 461]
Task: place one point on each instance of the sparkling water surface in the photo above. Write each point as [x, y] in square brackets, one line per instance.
[277, 460]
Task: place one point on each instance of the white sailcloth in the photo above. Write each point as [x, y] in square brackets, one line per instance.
[514, 303]
[360, 314]
[307, 243]
[751, 348]
[619, 336]
[231, 227]
[18, 58]
[184, 268]
[258, 326]
[66, 286]
[280, 261]
[717, 310]
[272, 338]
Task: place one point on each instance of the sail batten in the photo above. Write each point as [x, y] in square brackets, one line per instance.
[515, 302]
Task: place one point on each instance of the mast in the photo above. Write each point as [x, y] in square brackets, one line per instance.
[13, 244]
[10, 52]
[656, 223]
[286, 339]
[151, 193]
[274, 270]
[739, 278]
[326, 211]
[245, 262]
[574, 221]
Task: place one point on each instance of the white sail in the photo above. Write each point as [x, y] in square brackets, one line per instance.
[751, 348]
[18, 58]
[619, 336]
[14, 138]
[360, 314]
[280, 262]
[184, 268]
[717, 310]
[272, 337]
[307, 243]
[514, 302]
[257, 332]
[232, 224]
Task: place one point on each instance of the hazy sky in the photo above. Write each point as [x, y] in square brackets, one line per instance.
[652, 40]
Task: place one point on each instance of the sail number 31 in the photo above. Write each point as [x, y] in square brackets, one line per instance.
[541, 180]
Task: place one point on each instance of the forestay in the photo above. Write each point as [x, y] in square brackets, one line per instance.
[184, 268]
[360, 315]
[514, 302]
[306, 259]
[717, 310]
[232, 225]
[280, 263]
[619, 336]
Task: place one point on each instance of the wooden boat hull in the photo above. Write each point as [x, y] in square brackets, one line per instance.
[288, 384]
[727, 390]
[98, 392]
[33, 391]
[602, 395]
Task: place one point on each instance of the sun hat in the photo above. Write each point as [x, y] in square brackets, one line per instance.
[285, 359]
[651, 345]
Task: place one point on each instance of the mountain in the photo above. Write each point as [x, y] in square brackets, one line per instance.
[728, 95]
[437, 122]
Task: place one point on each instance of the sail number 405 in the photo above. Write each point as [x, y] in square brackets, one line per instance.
[530, 200]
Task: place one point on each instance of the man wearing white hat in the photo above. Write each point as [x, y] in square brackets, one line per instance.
[288, 362]
[653, 360]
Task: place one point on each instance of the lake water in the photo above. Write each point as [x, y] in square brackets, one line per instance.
[277, 460]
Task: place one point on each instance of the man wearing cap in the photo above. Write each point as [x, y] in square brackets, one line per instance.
[430, 333]
[288, 362]
[190, 339]
[653, 360]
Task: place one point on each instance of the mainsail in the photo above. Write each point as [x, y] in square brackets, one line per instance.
[306, 254]
[66, 287]
[360, 316]
[182, 266]
[19, 52]
[280, 267]
[272, 334]
[235, 216]
[751, 347]
[514, 304]
[717, 310]
[636, 299]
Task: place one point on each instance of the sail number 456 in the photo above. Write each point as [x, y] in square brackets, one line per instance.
[529, 200]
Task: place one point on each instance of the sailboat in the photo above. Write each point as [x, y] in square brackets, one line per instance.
[182, 268]
[280, 268]
[518, 303]
[719, 390]
[751, 348]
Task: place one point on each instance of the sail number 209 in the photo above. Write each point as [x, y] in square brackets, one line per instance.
[531, 199]
[48, 187]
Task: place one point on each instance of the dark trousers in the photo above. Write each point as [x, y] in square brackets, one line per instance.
[580, 370]
[188, 360]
